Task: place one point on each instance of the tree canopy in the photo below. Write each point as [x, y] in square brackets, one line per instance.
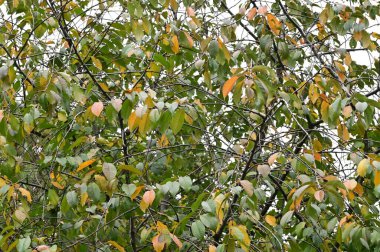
[178, 125]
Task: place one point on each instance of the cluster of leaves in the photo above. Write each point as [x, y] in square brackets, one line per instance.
[166, 125]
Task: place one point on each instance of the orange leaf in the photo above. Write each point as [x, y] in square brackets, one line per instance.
[116, 245]
[137, 192]
[189, 39]
[319, 195]
[274, 24]
[228, 85]
[211, 248]
[85, 164]
[271, 220]
[26, 194]
[350, 184]
[158, 243]
[175, 44]
[97, 108]
[377, 178]
[149, 197]
[176, 241]
[262, 10]
[58, 185]
[273, 158]
[251, 13]
[190, 12]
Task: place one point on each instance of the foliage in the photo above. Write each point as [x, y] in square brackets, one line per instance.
[171, 125]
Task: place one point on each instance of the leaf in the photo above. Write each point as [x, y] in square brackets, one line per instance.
[247, 186]
[190, 12]
[116, 245]
[176, 241]
[117, 104]
[274, 24]
[109, 170]
[185, 183]
[97, 108]
[262, 10]
[363, 167]
[361, 106]
[1, 115]
[23, 244]
[158, 243]
[286, 218]
[26, 194]
[251, 13]
[137, 192]
[377, 178]
[271, 220]
[228, 85]
[85, 164]
[198, 229]
[149, 197]
[347, 111]
[264, 170]
[177, 121]
[319, 195]
[189, 39]
[96, 62]
[175, 44]
[273, 158]
[350, 184]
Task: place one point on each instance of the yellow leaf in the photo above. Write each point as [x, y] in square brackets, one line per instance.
[116, 245]
[345, 133]
[319, 195]
[158, 243]
[137, 192]
[58, 185]
[133, 121]
[247, 186]
[85, 164]
[211, 248]
[377, 178]
[228, 85]
[175, 44]
[162, 228]
[271, 220]
[274, 24]
[237, 231]
[362, 167]
[144, 124]
[143, 206]
[96, 62]
[83, 198]
[26, 194]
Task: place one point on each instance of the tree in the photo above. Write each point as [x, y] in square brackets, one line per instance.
[172, 125]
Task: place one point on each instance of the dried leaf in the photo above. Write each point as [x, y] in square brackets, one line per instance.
[274, 24]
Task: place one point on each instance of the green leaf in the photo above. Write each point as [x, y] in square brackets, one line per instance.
[177, 120]
[286, 218]
[198, 229]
